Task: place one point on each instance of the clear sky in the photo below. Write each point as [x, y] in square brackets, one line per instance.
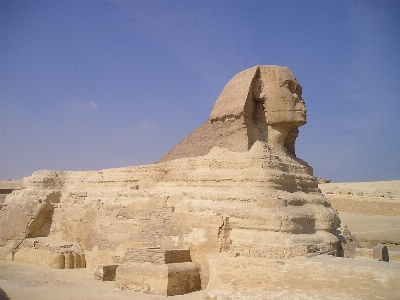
[101, 84]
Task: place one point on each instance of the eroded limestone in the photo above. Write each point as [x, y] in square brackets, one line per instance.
[249, 196]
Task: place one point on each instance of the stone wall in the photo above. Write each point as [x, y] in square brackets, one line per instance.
[322, 277]
[241, 203]
[156, 255]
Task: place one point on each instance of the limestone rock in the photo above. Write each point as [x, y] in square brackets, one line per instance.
[380, 252]
[105, 272]
[58, 262]
[327, 277]
[252, 106]
[242, 193]
[165, 279]
[156, 255]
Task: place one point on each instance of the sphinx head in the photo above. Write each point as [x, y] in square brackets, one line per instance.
[284, 105]
[267, 100]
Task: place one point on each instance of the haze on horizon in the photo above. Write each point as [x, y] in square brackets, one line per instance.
[87, 85]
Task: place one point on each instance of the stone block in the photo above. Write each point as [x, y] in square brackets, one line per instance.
[40, 257]
[156, 255]
[177, 256]
[58, 262]
[83, 260]
[69, 261]
[77, 260]
[167, 279]
[395, 256]
[364, 252]
[105, 272]
[381, 253]
[320, 277]
[183, 278]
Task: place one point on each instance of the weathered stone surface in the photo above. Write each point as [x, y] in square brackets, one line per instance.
[69, 261]
[197, 143]
[262, 103]
[51, 252]
[77, 260]
[35, 256]
[348, 243]
[394, 256]
[380, 252]
[156, 255]
[163, 279]
[58, 262]
[224, 199]
[105, 272]
[364, 252]
[326, 277]
[249, 196]
[83, 260]
[25, 216]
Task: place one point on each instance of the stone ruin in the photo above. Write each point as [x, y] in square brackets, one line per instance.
[232, 191]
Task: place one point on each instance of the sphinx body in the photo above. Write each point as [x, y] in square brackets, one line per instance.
[234, 186]
[257, 115]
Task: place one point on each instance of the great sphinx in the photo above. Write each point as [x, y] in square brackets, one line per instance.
[258, 115]
[233, 187]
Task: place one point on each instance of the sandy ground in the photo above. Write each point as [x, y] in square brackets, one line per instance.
[371, 210]
[383, 189]
[22, 281]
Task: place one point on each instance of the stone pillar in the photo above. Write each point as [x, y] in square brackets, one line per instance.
[77, 260]
[69, 261]
[83, 260]
[381, 253]
[58, 262]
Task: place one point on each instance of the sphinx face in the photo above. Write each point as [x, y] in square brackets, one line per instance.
[283, 103]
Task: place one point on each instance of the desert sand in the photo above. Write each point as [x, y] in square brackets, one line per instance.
[370, 210]
[21, 281]
[372, 218]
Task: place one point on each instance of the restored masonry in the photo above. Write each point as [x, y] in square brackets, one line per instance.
[231, 209]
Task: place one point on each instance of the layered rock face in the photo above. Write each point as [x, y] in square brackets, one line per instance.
[250, 203]
[242, 193]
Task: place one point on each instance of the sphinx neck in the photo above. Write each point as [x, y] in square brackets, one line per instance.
[276, 138]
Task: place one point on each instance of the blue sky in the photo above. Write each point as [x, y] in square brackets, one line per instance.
[100, 84]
